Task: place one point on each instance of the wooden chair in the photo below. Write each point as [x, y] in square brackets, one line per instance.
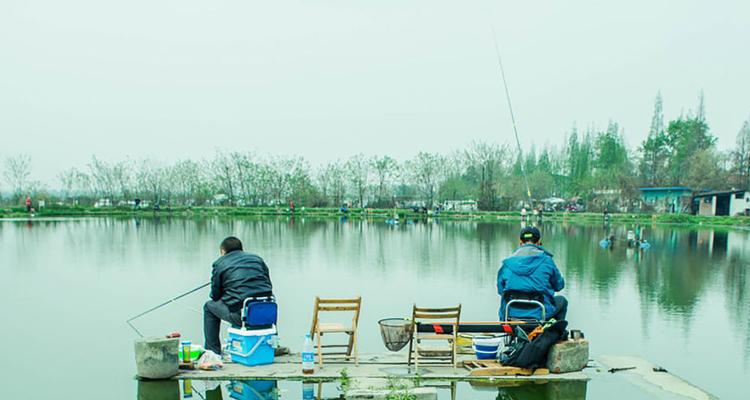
[319, 328]
[449, 316]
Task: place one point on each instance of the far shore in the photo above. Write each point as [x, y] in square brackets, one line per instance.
[376, 214]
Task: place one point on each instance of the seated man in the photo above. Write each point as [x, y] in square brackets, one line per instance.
[531, 274]
[236, 276]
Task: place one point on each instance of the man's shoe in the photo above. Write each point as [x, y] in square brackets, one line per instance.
[281, 351]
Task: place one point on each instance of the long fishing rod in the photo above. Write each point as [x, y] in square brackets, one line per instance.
[129, 322]
[512, 116]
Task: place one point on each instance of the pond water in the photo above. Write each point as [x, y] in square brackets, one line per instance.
[69, 285]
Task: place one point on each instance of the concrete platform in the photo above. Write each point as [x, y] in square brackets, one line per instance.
[370, 367]
[651, 378]
[642, 376]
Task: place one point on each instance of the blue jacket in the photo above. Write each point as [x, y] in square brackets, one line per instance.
[529, 269]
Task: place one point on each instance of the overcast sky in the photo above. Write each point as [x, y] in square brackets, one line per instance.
[328, 79]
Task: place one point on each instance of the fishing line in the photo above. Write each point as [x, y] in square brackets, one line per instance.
[129, 321]
[185, 306]
[512, 116]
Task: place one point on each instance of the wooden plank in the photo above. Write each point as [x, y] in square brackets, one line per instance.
[339, 301]
[439, 310]
[338, 308]
[507, 371]
[493, 368]
[435, 315]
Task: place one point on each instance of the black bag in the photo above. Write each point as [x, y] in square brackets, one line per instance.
[533, 354]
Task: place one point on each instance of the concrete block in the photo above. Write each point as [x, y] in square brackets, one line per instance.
[156, 358]
[568, 356]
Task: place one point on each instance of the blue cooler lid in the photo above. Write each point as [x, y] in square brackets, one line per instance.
[252, 332]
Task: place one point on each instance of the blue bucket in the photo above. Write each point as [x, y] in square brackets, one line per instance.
[486, 347]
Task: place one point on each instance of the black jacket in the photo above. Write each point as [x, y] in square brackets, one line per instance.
[238, 275]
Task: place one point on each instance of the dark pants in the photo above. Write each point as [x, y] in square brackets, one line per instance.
[561, 308]
[213, 313]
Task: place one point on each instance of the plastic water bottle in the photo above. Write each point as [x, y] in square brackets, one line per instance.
[308, 356]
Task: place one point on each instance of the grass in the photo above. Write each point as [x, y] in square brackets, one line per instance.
[373, 214]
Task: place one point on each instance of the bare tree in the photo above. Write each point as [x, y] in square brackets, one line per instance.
[487, 161]
[224, 174]
[427, 172]
[17, 172]
[386, 169]
[103, 178]
[332, 182]
[74, 184]
[741, 157]
[358, 172]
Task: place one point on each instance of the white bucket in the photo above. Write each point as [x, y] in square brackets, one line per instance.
[489, 341]
[486, 347]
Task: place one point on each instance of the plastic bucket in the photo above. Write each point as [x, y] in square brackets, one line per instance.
[486, 347]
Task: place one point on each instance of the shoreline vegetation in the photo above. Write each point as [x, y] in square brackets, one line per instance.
[374, 214]
[593, 169]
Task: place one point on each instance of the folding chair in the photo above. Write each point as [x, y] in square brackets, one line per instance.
[524, 302]
[259, 312]
[449, 315]
[319, 328]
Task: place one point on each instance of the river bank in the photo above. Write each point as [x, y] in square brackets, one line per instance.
[374, 213]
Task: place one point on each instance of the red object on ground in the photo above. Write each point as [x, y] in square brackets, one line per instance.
[173, 335]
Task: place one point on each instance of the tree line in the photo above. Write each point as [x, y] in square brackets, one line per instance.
[590, 166]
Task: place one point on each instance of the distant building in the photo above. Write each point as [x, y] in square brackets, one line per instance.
[728, 202]
[670, 200]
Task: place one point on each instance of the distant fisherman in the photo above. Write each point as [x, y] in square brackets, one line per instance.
[236, 276]
[531, 274]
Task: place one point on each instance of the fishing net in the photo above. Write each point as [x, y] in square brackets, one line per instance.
[396, 332]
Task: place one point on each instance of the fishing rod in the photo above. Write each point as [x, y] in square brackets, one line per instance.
[512, 116]
[129, 322]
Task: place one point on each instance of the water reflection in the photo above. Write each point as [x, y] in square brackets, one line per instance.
[158, 390]
[664, 304]
[271, 390]
[253, 390]
[547, 391]
[208, 390]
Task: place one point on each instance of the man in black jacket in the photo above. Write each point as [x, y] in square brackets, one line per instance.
[236, 276]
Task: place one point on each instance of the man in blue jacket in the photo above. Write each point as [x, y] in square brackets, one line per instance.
[236, 275]
[531, 274]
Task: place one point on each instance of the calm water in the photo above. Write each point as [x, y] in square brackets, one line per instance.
[69, 285]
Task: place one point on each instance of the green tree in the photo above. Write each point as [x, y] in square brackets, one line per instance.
[579, 165]
[686, 136]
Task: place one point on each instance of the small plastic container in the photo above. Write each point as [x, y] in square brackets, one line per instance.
[251, 347]
[185, 350]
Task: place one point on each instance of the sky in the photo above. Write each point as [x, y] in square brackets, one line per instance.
[330, 79]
